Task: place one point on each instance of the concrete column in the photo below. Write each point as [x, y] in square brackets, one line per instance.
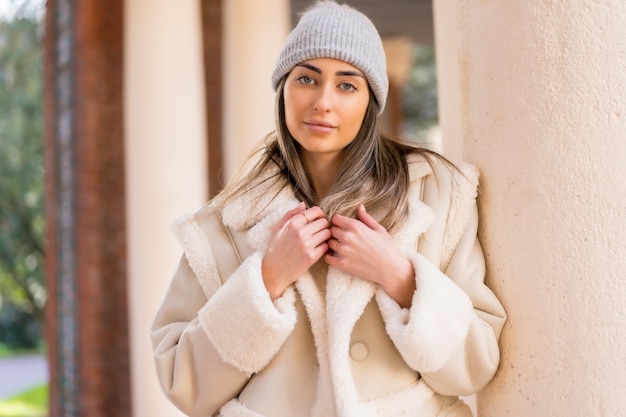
[543, 114]
[445, 16]
[254, 35]
[165, 165]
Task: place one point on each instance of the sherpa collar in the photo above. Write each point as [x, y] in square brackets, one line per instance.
[334, 315]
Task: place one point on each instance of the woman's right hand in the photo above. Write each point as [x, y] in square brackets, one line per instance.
[298, 240]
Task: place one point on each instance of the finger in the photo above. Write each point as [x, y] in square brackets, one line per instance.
[339, 233]
[294, 211]
[312, 214]
[333, 244]
[342, 221]
[321, 250]
[332, 259]
[315, 213]
[319, 224]
[320, 237]
[368, 220]
[306, 217]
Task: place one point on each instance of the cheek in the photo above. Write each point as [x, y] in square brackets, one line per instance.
[288, 110]
[295, 104]
[359, 116]
[290, 118]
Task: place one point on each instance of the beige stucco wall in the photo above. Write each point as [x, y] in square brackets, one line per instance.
[254, 32]
[543, 113]
[166, 165]
[166, 141]
[445, 16]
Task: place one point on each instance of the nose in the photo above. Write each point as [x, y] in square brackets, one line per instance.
[323, 99]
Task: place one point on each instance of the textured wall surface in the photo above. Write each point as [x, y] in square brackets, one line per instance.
[254, 33]
[165, 165]
[543, 99]
[166, 141]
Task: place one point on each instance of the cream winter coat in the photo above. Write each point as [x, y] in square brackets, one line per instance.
[332, 344]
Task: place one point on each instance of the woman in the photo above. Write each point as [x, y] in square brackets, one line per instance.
[340, 273]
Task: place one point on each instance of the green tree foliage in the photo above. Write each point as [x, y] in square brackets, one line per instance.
[22, 288]
[420, 94]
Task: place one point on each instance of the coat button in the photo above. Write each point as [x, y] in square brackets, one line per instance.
[359, 351]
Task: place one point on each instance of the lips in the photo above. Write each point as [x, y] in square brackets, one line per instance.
[320, 126]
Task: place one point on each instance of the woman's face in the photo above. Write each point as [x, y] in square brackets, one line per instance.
[325, 103]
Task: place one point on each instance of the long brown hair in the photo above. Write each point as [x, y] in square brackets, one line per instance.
[374, 171]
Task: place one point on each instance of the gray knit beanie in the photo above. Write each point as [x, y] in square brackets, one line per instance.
[330, 30]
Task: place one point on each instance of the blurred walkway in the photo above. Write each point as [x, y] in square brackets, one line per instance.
[20, 373]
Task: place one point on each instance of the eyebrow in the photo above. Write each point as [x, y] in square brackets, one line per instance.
[340, 73]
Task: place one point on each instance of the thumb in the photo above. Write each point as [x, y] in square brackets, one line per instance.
[368, 220]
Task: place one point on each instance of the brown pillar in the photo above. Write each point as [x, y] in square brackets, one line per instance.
[212, 42]
[86, 314]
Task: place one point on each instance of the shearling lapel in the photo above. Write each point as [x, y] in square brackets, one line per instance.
[346, 299]
[346, 294]
[332, 318]
[314, 303]
[257, 211]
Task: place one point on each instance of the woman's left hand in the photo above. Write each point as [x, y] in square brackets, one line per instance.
[364, 248]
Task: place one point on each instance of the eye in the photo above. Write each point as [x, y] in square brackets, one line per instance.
[346, 86]
[305, 79]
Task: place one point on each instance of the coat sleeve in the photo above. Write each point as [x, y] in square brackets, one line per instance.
[474, 363]
[450, 334]
[210, 337]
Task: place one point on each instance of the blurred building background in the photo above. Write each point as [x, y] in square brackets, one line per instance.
[150, 105]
